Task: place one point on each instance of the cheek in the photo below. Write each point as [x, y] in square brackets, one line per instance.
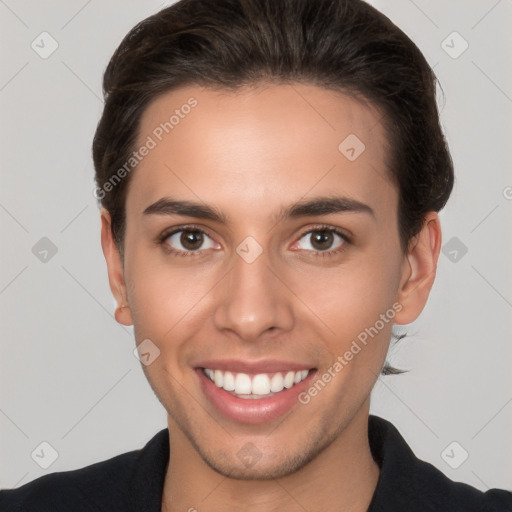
[351, 297]
[164, 296]
[356, 305]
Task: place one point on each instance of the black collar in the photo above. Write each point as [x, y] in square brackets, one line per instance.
[405, 482]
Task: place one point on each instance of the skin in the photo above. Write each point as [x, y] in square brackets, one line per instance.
[250, 154]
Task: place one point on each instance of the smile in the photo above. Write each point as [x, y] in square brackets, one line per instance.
[253, 393]
[261, 385]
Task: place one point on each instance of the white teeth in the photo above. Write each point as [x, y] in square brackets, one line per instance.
[259, 386]
[289, 380]
[229, 381]
[218, 378]
[277, 383]
[242, 384]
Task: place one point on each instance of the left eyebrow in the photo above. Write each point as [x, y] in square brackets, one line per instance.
[324, 206]
[314, 207]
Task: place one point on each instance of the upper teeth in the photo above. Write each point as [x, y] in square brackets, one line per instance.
[260, 384]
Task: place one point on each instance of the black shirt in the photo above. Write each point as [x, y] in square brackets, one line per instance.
[134, 482]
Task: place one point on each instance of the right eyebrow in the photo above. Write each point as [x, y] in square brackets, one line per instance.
[169, 206]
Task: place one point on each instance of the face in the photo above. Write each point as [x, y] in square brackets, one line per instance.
[259, 248]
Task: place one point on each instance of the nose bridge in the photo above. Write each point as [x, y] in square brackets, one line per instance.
[252, 299]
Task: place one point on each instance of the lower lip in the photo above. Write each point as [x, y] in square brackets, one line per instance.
[254, 411]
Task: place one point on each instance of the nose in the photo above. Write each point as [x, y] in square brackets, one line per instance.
[252, 301]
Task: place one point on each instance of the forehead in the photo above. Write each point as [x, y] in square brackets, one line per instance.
[267, 145]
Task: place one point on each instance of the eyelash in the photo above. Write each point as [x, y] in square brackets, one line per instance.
[331, 252]
[161, 240]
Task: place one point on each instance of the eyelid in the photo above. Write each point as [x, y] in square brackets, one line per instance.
[343, 233]
[166, 233]
[162, 238]
[347, 239]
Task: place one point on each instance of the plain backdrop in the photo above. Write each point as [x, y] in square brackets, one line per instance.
[68, 375]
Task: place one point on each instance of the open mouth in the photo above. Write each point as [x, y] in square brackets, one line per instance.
[254, 397]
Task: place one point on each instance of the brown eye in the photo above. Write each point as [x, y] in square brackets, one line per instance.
[191, 240]
[322, 240]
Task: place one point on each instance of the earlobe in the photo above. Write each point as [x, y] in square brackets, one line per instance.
[115, 270]
[122, 316]
[419, 270]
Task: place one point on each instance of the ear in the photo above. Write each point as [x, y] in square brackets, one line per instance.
[115, 270]
[419, 270]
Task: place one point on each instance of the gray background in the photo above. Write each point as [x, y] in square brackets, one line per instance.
[68, 376]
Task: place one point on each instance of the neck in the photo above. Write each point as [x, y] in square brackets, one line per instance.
[342, 477]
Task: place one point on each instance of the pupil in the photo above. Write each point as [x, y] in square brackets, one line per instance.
[322, 240]
[191, 239]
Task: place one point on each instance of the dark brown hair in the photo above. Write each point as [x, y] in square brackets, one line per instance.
[342, 45]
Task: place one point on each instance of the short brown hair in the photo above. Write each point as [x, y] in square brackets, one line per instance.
[344, 45]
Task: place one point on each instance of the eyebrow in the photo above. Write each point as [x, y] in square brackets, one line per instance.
[313, 207]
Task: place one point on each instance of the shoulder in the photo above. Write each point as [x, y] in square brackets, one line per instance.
[408, 483]
[439, 492]
[497, 500]
[90, 488]
[118, 483]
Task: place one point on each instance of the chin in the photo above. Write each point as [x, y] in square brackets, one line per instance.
[249, 463]
[258, 471]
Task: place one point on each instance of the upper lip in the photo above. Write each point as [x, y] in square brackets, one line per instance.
[263, 366]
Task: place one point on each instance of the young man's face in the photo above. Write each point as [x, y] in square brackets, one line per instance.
[257, 291]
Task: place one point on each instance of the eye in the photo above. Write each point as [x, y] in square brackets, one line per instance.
[323, 239]
[187, 240]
